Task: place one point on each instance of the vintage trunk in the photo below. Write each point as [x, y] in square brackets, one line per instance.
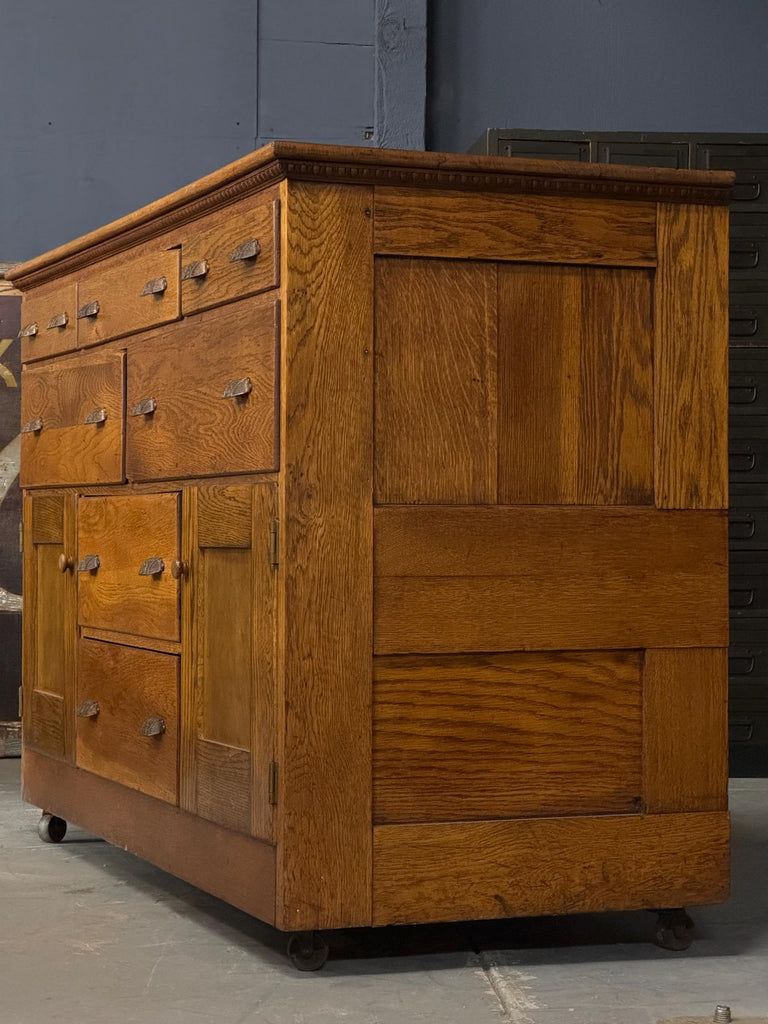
[375, 536]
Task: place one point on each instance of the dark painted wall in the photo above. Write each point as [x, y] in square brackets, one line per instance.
[612, 65]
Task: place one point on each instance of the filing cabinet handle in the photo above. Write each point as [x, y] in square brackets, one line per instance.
[743, 255]
[90, 309]
[246, 251]
[745, 466]
[144, 408]
[735, 392]
[33, 427]
[745, 190]
[29, 331]
[66, 564]
[88, 709]
[154, 726]
[747, 521]
[741, 597]
[238, 388]
[155, 287]
[96, 416]
[742, 326]
[179, 568]
[152, 567]
[89, 564]
[60, 320]
[197, 269]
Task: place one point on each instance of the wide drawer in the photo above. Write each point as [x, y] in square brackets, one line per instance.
[127, 547]
[231, 253]
[129, 293]
[72, 415]
[48, 323]
[127, 716]
[202, 395]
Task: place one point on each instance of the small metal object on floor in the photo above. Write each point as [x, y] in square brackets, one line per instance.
[722, 1015]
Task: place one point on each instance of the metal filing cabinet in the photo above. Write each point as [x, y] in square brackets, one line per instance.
[747, 155]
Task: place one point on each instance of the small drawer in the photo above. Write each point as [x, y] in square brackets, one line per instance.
[127, 716]
[129, 293]
[72, 422]
[48, 320]
[127, 547]
[202, 395]
[231, 253]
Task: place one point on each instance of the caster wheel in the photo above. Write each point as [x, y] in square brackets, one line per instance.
[674, 930]
[308, 951]
[51, 829]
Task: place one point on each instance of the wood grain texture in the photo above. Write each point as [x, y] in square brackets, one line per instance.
[575, 385]
[130, 685]
[236, 868]
[215, 237]
[223, 784]
[125, 530]
[547, 578]
[470, 870]
[325, 596]
[195, 431]
[38, 307]
[67, 450]
[117, 287]
[44, 723]
[264, 716]
[188, 697]
[685, 732]
[537, 229]
[691, 358]
[111, 636]
[435, 381]
[498, 736]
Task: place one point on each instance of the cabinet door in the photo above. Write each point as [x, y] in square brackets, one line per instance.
[228, 644]
[49, 623]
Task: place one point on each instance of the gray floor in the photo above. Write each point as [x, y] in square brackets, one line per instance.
[90, 933]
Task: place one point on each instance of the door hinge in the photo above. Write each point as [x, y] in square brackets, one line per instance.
[21, 536]
[274, 543]
[273, 777]
[21, 702]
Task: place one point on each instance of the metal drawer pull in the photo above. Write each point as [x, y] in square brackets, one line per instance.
[89, 309]
[154, 726]
[96, 416]
[237, 388]
[746, 190]
[156, 287]
[741, 528]
[144, 407]
[33, 427]
[246, 251]
[744, 255]
[29, 331]
[742, 394]
[197, 269]
[742, 326]
[88, 709]
[179, 568]
[89, 564]
[152, 567]
[60, 320]
[66, 564]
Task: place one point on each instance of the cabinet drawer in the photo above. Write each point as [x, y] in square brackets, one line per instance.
[72, 415]
[127, 716]
[118, 589]
[180, 420]
[48, 323]
[231, 254]
[128, 294]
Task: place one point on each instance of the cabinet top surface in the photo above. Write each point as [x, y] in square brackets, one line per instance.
[382, 167]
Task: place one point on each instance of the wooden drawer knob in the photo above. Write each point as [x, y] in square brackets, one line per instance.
[152, 567]
[66, 564]
[88, 709]
[179, 568]
[89, 564]
[154, 726]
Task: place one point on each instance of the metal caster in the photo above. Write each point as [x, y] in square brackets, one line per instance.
[51, 829]
[308, 951]
[674, 929]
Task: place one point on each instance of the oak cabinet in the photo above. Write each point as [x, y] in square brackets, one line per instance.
[392, 584]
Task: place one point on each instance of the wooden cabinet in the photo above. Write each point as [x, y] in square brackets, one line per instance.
[418, 561]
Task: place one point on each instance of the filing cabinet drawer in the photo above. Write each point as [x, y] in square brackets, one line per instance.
[748, 388]
[127, 716]
[128, 294]
[748, 587]
[48, 322]
[748, 323]
[748, 462]
[231, 253]
[72, 422]
[202, 395]
[127, 547]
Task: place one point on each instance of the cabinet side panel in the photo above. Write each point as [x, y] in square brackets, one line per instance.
[326, 556]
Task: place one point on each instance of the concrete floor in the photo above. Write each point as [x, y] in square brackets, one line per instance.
[90, 933]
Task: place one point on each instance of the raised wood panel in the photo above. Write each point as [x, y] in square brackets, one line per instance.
[469, 870]
[224, 517]
[691, 358]
[51, 625]
[435, 381]
[557, 578]
[325, 606]
[44, 725]
[459, 737]
[38, 307]
[185, 368]
[685, 732]
[539, 229]
[223, 784]
[575, 385]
